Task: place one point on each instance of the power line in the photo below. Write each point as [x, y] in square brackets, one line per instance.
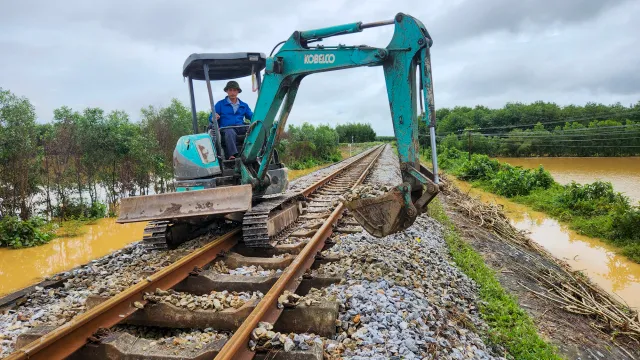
[536, 135]
[560, 132]
[552, 136]
[551, 139]
[591, 147]
[566, 120]
[584, 140]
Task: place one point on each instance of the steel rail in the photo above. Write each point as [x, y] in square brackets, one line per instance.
[311, 189]
[267, 310]
[66, 339]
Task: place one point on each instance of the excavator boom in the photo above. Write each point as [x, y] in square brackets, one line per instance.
[209, 185]
[407, 69]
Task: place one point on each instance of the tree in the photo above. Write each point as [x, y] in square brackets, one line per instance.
[19, 155]
[356, 132]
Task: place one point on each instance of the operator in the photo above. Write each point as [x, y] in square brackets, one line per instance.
[231, 111]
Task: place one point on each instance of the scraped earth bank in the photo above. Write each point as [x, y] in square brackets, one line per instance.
[402, 298]
[534, 277]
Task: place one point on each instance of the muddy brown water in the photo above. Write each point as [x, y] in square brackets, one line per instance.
[20, 268]
[622, 172]
[614, 273]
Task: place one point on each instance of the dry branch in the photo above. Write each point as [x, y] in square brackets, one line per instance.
[570, 290]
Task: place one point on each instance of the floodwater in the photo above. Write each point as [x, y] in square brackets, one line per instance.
[20, 268]
[596, 259]
[622, 172]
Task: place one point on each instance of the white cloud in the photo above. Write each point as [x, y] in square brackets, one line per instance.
[128, 55]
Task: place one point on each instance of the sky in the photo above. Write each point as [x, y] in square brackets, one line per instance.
[128, 55]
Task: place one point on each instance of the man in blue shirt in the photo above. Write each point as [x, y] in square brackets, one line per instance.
[231, 111]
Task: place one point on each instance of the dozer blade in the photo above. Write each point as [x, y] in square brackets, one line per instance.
[177, 205]
[382, 215]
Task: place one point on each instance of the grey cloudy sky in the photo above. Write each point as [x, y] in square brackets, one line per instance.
[127, 55]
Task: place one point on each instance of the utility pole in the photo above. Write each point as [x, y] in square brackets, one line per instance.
[351, 146]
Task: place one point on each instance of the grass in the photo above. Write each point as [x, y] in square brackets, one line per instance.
[355, 148]
[510, 326]
[70, 228]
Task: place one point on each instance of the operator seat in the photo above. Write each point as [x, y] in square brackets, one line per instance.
[239, 138]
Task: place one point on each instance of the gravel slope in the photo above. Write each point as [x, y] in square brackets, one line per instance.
[402, 297]
[105, 276]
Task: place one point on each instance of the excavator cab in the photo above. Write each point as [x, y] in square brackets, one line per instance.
[208, 187]
[210, 67]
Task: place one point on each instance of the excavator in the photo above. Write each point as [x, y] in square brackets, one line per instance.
[252, 189]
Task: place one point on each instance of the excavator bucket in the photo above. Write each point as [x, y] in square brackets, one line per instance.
[382, 215]
[187, 204]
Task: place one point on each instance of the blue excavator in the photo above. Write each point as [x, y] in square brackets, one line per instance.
[252, 189]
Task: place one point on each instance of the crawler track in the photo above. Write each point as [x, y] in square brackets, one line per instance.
[71, 338]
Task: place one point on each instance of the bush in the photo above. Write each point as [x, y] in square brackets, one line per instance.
[513, 181]
[16, 233]
[307, 146]
[76, 210]
[626, 224]
[481, 167]
[386, 138]
[71, 228]
[597, 198]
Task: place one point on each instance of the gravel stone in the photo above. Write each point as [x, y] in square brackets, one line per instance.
[401, 297]
[105, 277]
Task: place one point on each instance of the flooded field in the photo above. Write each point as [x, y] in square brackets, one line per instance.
[622, 172]
[614, 273]
[20, 268]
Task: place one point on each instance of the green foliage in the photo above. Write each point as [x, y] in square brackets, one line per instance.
[591, 209]
[510, 326]
[597, 198]
[481, 167]
[19, 155]
[71, 228]
[74, 209]
[539, 129]
[503, 179]
[385, 138]
[627, 225]
[356, 133]
[511, 181]
[307, 146]
[16, 233]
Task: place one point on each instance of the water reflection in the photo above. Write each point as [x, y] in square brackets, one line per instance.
[598, 260]
[23, 267]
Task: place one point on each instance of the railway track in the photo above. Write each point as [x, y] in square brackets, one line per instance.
[194, 292]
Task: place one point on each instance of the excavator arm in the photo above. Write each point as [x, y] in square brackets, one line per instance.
[407, 71]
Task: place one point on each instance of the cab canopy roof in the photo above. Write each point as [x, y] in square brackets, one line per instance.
[223, 66]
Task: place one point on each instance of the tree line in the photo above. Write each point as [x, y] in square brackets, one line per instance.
[539, 129]
[62, 166]
[355, 132]
[82, 162]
